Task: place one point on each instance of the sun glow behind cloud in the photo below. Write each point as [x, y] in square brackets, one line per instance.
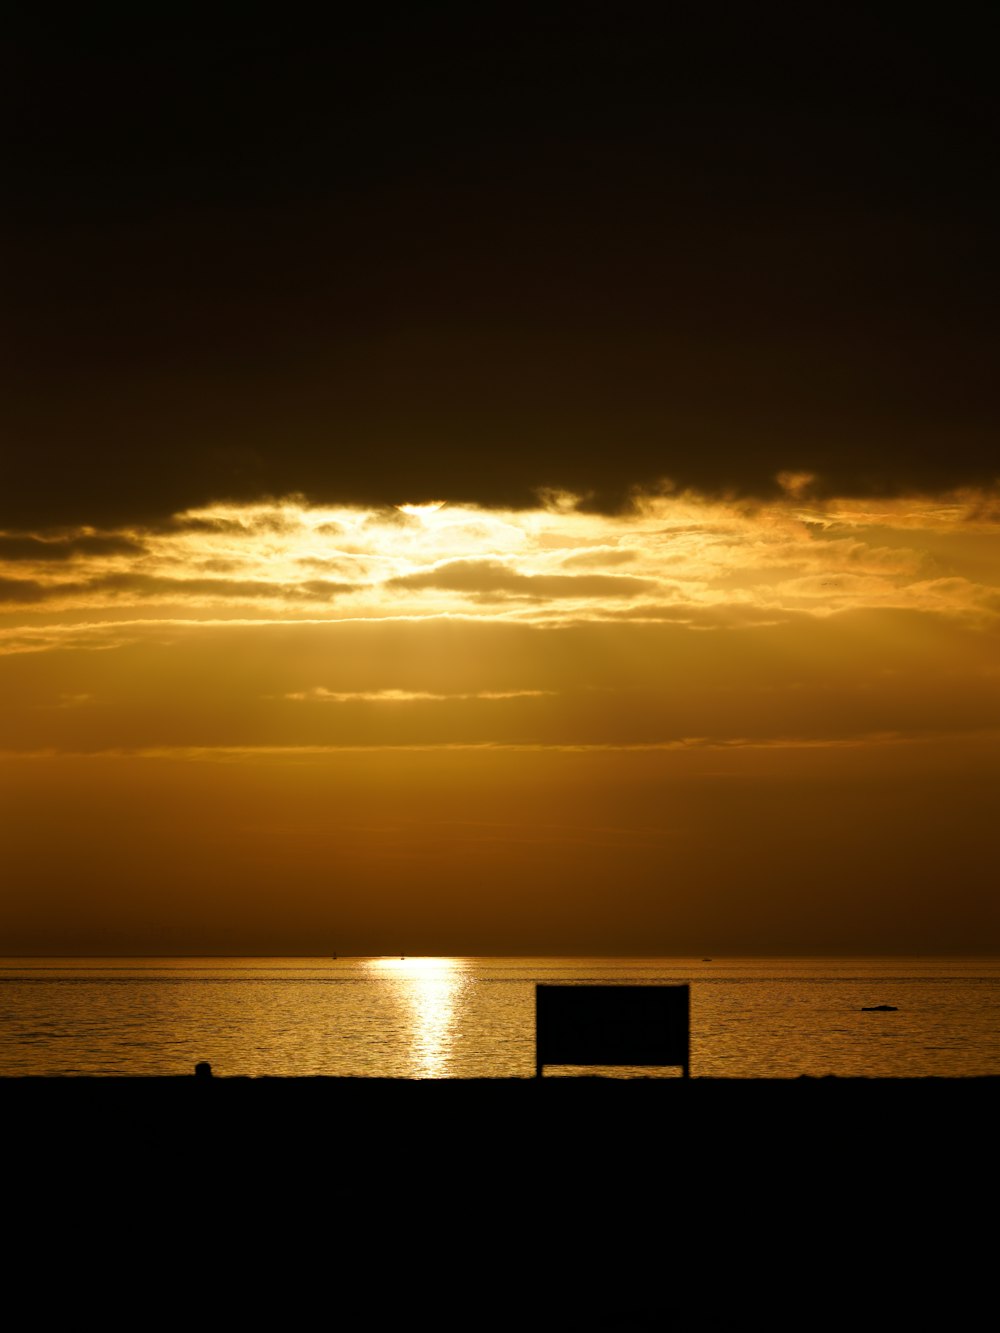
[686, 619]
[668, 556]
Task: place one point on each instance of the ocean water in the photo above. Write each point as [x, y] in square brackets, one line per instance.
[474, 1017]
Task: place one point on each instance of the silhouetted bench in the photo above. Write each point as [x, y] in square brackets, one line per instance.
[612, 1025]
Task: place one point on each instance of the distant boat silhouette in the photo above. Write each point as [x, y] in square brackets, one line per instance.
[706, 960]
[880, 1009]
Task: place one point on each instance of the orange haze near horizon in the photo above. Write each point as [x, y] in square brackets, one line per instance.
[699, 726]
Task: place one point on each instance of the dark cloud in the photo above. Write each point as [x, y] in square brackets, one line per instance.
[25, 546]
[490, 577]
[153, 585]
[599, 558]
[21, 590]
[160, 588]
[465, 258]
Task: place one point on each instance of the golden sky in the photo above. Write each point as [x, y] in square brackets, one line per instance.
[697, 726]
[679, 330]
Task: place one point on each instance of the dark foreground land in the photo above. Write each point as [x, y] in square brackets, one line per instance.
[735, 1144]
[511, 1203]
[797, 1134]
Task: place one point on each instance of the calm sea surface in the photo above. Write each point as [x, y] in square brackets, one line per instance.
[474, 1017]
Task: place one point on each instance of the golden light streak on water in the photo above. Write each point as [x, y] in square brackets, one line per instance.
[429, 987]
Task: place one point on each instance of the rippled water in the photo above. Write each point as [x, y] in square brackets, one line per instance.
[474, 1017]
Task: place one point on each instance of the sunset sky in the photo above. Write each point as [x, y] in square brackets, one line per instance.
[499, 484]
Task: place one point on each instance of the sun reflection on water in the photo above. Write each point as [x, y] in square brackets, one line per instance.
[429, 988]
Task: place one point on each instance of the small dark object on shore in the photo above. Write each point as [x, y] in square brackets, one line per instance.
[203, 1069]
[879, 1009]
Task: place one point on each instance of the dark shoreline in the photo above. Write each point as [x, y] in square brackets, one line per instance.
[982, 1081]
[560, 1109]
[641, 1101]
[787, 1118]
